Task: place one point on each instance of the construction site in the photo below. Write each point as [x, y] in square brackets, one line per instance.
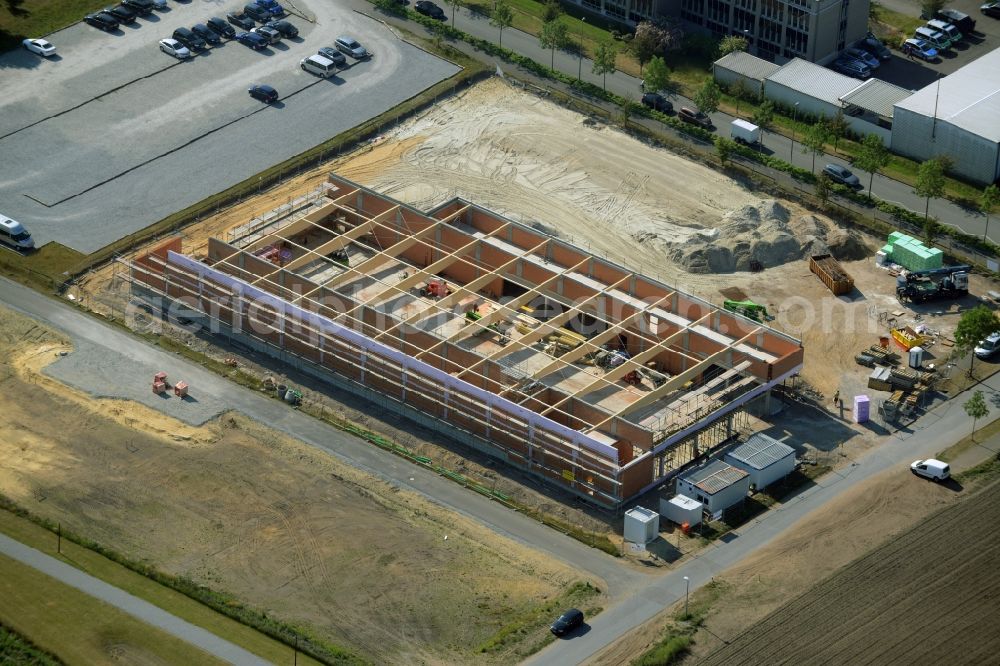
[563, 364]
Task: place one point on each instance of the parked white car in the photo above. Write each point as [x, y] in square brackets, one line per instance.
[174, 48]
[39, 46]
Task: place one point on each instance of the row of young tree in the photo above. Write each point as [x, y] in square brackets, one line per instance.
[650, 44]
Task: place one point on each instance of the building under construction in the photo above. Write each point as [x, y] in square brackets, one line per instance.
[598, 379]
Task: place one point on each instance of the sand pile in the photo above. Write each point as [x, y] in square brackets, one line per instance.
[763, 233]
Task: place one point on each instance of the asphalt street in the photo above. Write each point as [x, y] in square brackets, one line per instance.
[786, 148]
[134, 606]
[635, 597]
[113, 135]
[106, 344]
[931, 434]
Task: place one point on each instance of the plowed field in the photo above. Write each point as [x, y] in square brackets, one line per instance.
[931, 596]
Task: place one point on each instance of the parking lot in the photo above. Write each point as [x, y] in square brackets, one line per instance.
[915, 74]
[113, 135]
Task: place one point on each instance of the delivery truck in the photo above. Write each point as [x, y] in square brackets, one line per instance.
[744, 132]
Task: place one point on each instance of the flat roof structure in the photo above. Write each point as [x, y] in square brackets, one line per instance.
[876, 96]
[761, 451]
[562, 363]
[715, 477]
[750, 66]
[968, 98]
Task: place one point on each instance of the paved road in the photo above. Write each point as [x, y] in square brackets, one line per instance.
[113, 135]
[118, 348]
[930, 435]
[947, 212]
[125, 602]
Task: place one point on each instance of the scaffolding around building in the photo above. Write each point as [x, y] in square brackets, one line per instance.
[564, 364]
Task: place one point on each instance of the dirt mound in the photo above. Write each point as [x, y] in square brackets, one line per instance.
[762, 233]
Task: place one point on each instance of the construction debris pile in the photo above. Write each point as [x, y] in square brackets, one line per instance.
[756, 236]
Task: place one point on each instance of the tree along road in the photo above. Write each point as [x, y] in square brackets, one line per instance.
[635, 597]
[934, 432]
[786, 148]
[108, 340]
[125, 602]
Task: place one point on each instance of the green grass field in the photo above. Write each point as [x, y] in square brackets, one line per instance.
[34, 18]
[16, 649]
[79, 629]
[173, 602]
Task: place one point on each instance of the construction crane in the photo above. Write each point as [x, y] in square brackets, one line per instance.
[920, 286]
[748, 309]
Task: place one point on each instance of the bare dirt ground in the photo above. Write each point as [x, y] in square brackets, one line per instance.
[929, 595]
[645, 207]
[873, 513]
[241, 508]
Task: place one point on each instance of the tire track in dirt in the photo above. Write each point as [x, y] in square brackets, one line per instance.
[939, 579]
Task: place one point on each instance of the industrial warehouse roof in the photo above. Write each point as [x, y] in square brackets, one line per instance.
[748, 65]
[714, 477]
[815, 81]
[877, 96]
[968, 98]
[761, 451]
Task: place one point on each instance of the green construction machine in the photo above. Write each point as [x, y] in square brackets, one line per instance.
[748, 309]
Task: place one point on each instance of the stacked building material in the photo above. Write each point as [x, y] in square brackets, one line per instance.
[910, 253]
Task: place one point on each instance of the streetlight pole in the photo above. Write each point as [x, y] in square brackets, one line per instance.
[579, 71]
[795, 117]
[687, 590]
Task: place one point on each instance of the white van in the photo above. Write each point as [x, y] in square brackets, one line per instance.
[947, 28]
[932, 469]
[938, 39]
[12, 233]
[319, 65]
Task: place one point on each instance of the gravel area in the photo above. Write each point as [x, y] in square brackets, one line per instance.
[114, 135]
[102, 374]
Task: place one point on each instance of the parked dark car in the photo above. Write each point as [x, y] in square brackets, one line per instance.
[842, 175]
[189, 39]
[102, 21]
[567, 622]
[333, 54]
[695, 118]
[284, 27]
[257, 13]
[253, 40]
[965, 23]
[350, 46]
[121, 13]
[220, 27]
[264, 93]
[205, 33]
[272, 7]
[270, 34]
[657, 102]
[428, 8]
[140, 7]
[240, 20]
[991, 8]
[874, 45]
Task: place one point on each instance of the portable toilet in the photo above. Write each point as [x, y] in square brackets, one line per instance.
[916, 357]
[641, 525]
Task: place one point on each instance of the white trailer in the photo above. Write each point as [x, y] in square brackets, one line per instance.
[744, 132]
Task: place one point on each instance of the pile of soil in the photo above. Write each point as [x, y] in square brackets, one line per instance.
[763, 234]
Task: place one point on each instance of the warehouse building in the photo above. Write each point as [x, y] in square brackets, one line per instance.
[717, 485]
[808, 90]
[957, 116]
[742, 69]
[764, 459]
[582, 372]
